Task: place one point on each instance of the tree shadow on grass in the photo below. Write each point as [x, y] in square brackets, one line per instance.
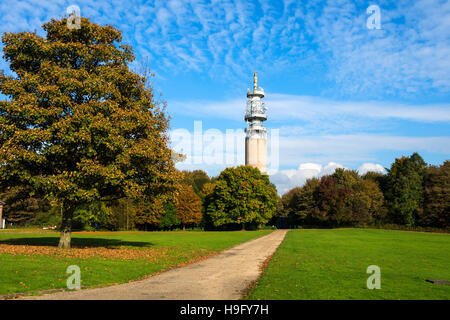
[76, 242]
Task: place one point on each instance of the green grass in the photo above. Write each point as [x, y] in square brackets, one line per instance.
[28, 273]
[332, 264]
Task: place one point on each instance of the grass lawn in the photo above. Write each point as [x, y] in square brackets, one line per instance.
[32, 261]
[332, 264]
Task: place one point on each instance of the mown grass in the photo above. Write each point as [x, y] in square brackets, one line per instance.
[332, 264]
[43, 269]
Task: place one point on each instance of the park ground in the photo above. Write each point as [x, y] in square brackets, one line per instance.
[332, 264]
[309, 264]
[31, 262]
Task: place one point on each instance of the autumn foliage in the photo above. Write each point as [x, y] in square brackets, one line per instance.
[78, 126]
[188, 206]
[436, 211]
[411, 194]
[341, 199]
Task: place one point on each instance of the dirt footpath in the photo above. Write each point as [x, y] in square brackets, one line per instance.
[224, 276]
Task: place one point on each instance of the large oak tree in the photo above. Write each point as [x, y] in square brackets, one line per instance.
[77, 125]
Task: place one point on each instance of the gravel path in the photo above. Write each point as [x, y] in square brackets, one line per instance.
[223, 276]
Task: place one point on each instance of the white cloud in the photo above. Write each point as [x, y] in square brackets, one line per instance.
[285, 180]
[371, 167]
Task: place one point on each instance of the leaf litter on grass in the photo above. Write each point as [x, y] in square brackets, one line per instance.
[117, 253]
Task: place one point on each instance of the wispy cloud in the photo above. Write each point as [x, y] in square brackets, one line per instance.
[225, 39]
[354, 149]
[283, 107]
[408, 53]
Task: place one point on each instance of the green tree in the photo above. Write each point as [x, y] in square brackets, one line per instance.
[169, 219]
[300, 203]
[404, 189]
[436, 211]
[92, 215]
[78, 126]
[241, 195]
[280, 212]
[305, 202]
[21, 208]
[289, 201]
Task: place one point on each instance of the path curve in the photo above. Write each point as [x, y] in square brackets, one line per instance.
[224, 276]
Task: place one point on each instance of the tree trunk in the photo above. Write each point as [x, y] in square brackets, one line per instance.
[243, 226]
[184, 227]
[66, 229]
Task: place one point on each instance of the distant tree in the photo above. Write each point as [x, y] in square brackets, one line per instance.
[188, 206]
[146, 213]
[405, 189]
[334, 202]
[279, 212]
[78, 126]
[367, 203]
[436, 211]
[20, 207]
[346, 178]
[120, 215]
[379, 178]
[344, 198]
[300, 203]
[169, 219]
[92, 216]
[242, 195]
[208, 188]
[289, 201]
[197, 179]
[305, 202]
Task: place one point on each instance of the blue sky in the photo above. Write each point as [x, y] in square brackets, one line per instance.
[339, 93]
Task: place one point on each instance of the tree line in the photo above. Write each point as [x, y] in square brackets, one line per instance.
[238, 198]
[411, 194]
